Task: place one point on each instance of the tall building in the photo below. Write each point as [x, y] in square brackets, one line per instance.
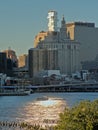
[52, 21]
[87, 34]
[91, 65]
[12, 56]
[52, 27]
[3, 63]
[68, 50]
[42, 59]
[23, 60]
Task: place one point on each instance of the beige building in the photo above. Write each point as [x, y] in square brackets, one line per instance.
[23, 61]
[40, 37]
[87, 35]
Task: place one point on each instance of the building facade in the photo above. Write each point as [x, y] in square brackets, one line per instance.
[23, 60]
[42, 59]
[40, 37]
[68, 50]
[87, 34]
[3, 63]
[52, 21]
[12, 56]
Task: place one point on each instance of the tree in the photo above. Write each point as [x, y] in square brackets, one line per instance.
[84, 116]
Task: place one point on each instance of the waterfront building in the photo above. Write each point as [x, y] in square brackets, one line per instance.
[3, 63]
[6, 64]
[2, 79]
[22, 69]
[9, 67]
[87, 34]
[68, 50]
[12, 56]
[42, 59]
[91, 65]
[12, 61]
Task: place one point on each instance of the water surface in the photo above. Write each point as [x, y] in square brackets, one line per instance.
[23, 108]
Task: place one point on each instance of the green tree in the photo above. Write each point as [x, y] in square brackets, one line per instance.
[83, 116]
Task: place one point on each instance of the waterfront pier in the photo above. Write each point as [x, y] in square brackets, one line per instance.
[72, 87]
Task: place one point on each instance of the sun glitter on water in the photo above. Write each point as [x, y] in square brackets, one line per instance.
[47, 103]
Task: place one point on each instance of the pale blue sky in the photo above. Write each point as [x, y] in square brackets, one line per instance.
[21, 20]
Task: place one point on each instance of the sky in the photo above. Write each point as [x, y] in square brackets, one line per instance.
[22, 20]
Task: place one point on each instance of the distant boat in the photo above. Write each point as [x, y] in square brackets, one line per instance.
[42, 98]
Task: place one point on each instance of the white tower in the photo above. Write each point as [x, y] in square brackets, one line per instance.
[52, 23]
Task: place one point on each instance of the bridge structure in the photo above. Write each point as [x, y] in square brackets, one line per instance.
[72, 87]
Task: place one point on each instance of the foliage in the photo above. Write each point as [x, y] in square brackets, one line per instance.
[30, 127]
[84, 116]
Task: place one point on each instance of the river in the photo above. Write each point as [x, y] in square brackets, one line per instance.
[25, 108]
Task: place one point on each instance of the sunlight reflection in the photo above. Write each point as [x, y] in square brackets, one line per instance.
[44, 111]
[48, 102]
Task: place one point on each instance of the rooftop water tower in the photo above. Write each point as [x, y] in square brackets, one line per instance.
[52, 21]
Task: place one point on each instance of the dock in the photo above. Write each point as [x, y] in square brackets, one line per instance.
[72, 87]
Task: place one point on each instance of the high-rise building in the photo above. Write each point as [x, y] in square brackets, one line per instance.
[3, 63]
[52, 21]
[42, 59]
[12, 56]
[68, 50]
[87, 34]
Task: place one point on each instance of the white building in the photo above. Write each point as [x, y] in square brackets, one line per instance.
[52, 21]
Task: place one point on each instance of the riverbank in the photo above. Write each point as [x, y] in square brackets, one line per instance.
[6, 125]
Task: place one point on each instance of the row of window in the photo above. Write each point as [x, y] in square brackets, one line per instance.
[60, 46]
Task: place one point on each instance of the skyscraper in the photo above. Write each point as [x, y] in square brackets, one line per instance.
[52, 21]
